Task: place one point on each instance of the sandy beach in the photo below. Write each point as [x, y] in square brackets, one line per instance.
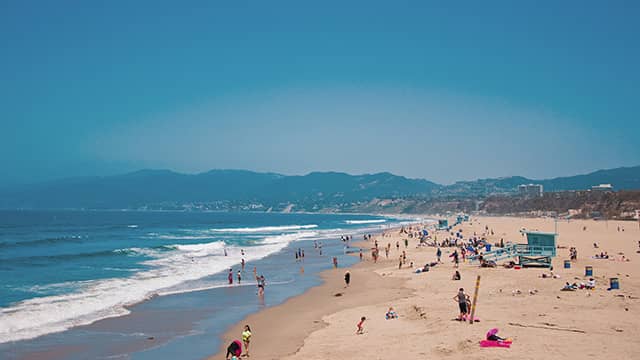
[543, 321]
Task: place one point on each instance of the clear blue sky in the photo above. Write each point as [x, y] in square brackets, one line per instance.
[443, 92]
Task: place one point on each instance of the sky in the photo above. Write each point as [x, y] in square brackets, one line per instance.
[422, 89]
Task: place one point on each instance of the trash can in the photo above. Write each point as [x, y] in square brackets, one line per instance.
[614, 283]
[588, 271]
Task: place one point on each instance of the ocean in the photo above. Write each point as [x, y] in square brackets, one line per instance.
[99, 278]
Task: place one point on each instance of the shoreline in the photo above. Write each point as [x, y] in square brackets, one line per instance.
[364, 278]
[318, 325]
[161, 325]
[306, 320]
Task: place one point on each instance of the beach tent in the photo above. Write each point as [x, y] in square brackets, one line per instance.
[443, 224]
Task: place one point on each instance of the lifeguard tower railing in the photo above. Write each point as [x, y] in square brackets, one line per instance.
[540, 248]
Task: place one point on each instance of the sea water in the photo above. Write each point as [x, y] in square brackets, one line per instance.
[62, 270]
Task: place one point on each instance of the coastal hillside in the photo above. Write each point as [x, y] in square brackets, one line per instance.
[316, 191]
[219, 189]
[623, 178]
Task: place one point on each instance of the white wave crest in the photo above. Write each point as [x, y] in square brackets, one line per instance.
[376, 221]
[266, 229]
[99, 299]
[287, 238]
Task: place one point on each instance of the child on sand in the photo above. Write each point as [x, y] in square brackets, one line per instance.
[360, 326]
[456, 275]
[391, 314]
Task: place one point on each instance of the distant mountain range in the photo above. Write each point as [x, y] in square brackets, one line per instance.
[233, 189]
[623, 178]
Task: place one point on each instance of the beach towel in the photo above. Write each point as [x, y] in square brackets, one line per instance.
[494, 343]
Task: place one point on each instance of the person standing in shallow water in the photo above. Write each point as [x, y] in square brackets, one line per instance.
[230, 276]
[261, 285]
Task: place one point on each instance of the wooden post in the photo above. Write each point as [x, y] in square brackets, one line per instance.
[475, 300]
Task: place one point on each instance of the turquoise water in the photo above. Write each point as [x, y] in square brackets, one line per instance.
[63, 269]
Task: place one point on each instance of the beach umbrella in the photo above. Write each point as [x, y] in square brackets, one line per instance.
[492, 332]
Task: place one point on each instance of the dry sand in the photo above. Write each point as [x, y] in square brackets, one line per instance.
[551, 324]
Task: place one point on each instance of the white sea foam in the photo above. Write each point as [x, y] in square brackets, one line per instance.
[266, 229]
[172, 268]
[183, 237]
[106, 298]
[355, 222]
[132, 226]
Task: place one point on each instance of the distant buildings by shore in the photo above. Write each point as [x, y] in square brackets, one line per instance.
[602, 187]
[530, 190]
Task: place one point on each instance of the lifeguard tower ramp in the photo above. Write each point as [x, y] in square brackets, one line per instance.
[539, 250]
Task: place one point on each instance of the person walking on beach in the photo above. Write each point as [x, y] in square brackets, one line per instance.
[239, 277]
[438, 253]
[347, 278]
[230, 276]
[398, 245]
[462, 300]
[406, 243]
[246, 339]
[400, 263]
[360, 326]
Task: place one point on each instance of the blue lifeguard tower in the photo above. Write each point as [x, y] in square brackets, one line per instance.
[539, 250]
[443, 224]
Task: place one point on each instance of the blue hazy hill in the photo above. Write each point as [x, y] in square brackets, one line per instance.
[140, 188]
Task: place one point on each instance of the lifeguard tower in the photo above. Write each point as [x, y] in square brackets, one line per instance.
[443, 224]
[539, 250]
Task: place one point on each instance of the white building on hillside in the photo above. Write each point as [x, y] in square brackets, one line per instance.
[530, 190]
[602, 187]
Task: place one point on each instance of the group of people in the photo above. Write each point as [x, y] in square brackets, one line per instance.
[573, 253]
[589, 285]
[234, 350]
